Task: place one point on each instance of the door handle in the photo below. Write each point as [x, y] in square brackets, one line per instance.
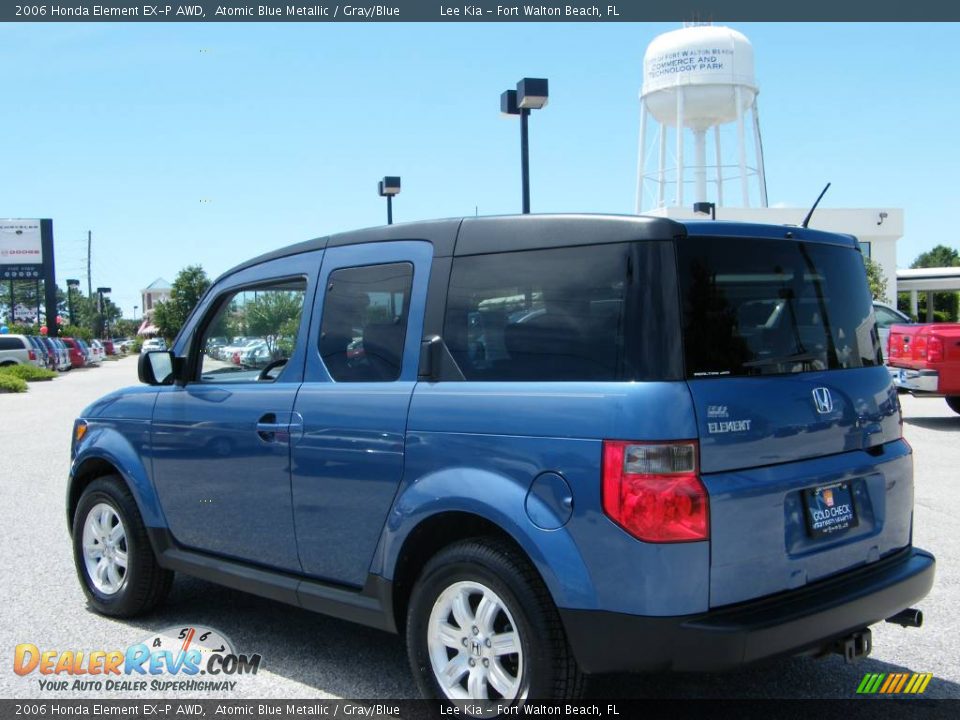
[268, 428]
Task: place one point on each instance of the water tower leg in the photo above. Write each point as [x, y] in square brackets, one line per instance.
[700, 171]
[741, 136]
[716, 143]
[679, 147]
[661, 175]
[758, 145]
[641, 155]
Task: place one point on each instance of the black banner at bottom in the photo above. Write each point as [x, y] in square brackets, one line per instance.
[168, 709]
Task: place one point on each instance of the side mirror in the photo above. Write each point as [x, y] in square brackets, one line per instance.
[157, 367]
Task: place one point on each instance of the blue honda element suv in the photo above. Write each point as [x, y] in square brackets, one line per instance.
[538, 447]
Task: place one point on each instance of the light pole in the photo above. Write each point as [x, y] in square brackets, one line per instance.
[101, 291]
[531, 94]
[388, 187]
[71, 286]
[135, 308]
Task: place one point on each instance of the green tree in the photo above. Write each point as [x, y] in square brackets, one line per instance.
[945, 304]
[876, 279]
[940, 256]
[125, 327]
[97, 318]
[190, 285]
[272, 314]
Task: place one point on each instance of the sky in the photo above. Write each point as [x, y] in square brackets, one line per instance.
[210, 143]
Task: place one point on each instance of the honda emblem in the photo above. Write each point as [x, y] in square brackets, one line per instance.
[823, 400]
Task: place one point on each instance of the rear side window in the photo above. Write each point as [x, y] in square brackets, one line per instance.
[599, 312]
[364, 323]
[10, 343]
[763, 307]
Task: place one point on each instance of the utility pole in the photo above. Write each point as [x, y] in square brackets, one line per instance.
[89, 271]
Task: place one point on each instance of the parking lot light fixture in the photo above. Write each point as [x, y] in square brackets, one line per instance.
[531, 94]
[388, 187]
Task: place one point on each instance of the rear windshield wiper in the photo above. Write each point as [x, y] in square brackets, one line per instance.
[805, 357]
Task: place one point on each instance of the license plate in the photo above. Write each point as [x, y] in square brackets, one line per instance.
[830, 509]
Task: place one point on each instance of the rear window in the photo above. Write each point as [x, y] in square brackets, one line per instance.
[767, 307]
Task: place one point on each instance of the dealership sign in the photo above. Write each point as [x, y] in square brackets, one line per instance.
[21, 251]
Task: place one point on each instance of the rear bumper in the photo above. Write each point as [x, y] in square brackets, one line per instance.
[794, 622]
[926, 381]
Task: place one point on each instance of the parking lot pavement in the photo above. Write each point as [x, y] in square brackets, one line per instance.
[307, 655]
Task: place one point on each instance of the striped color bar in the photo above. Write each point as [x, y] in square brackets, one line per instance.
[894, 683]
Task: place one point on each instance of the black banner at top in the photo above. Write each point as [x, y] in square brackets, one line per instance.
[480, 11]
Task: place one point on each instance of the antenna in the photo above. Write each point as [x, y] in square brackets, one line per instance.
[806, 220]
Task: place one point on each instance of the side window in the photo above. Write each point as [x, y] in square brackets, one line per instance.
[9, 343]
[553, 314]
[252, 333]
[365, 322]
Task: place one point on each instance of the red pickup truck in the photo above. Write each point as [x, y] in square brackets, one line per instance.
[926, 360]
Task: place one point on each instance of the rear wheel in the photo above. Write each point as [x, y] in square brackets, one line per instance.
[115, 563]
[954, 403]
[481, 626]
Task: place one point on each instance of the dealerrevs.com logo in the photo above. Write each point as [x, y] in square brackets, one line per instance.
[175, 659]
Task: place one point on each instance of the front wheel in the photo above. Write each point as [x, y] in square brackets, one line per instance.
[954, 403]
[115, 563]
[481, 626]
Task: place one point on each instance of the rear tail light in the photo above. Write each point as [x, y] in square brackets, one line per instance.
[919, 351]
[892, 349]
[934, 349]
[653, 490]
[31, 355]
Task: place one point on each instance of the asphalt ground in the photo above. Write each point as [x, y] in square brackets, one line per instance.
[306, 655]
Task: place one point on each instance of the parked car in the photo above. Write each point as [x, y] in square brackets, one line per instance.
[57, 353]
[627, 478]
[51, 352]
[95, 352]
[257, 355]
[227, 352]
[78, 358]
[926, 360]
[43, 360]
[109, 347]
[19, 350]
[96, 347]
[244, 351]
[887, 316]
[66, 361]
[153, 344]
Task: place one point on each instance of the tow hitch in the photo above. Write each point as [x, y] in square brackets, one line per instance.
[855, 646]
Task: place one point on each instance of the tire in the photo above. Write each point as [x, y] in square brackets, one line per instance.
[111, 589]
[954, 403]
[519, 610]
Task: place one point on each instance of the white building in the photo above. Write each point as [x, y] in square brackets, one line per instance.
[156, 292]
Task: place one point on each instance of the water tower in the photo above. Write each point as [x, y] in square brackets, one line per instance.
[697, 81]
